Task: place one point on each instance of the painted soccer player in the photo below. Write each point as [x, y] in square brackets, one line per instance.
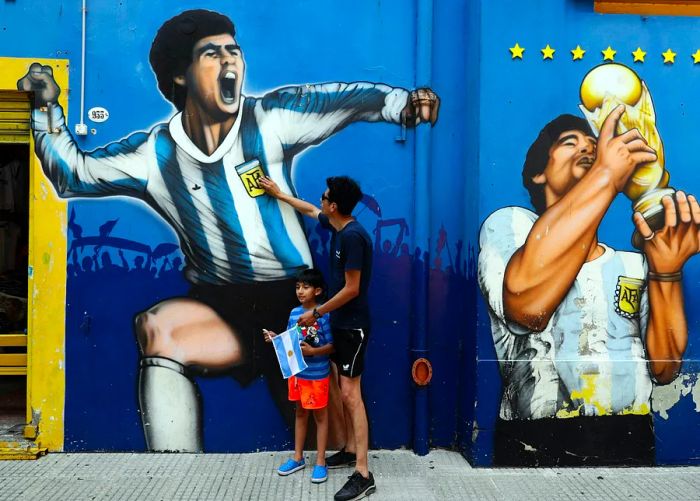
[574, 321]
[198, 172]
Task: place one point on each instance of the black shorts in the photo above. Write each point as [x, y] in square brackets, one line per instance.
[626, 440]
[350, 346]
[248, 309]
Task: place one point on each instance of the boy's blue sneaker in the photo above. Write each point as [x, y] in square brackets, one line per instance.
[290, 466]
[319, 475]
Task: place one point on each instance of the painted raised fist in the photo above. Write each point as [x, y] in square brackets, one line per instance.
[39, 79]
[422, 106]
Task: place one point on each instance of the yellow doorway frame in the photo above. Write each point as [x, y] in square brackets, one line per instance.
[46, 301]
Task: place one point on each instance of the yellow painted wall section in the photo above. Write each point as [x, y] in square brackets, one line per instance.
[46, 320]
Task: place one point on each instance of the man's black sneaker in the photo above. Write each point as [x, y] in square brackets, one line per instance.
[356, 487]
[340, 459]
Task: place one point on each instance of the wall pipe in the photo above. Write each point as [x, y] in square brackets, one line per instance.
[81, 127]
[424, 49]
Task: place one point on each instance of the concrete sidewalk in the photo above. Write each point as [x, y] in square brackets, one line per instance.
[400, 475]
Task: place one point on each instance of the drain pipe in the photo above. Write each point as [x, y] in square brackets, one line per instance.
[421, 367]
[81, 128]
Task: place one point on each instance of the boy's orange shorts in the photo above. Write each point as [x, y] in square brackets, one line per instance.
[310, 393]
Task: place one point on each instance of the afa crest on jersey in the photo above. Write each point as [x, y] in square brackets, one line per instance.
[250, 172]
[628, 295]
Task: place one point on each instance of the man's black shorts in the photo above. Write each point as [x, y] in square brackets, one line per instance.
[350, 346]
[249, 308]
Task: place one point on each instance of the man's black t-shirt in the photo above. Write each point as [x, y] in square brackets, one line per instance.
[351, 249]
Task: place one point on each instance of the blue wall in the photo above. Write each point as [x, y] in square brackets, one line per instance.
[284, 43]
[518, 97]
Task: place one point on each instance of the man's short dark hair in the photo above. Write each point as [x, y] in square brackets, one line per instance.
[171, 51]
[312, 277]
[344, 192]
[538, 154]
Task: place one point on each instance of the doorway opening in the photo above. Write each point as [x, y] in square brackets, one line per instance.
[14, 251]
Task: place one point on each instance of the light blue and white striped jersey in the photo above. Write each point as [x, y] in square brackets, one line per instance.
[229, 230]
[316, 335]
[590, 359]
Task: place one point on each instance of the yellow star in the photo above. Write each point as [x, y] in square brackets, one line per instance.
[577, 53]
[696, 57]
[669, 56]
[639, 55]
[547, 52]
[609, 54]
[517, 51]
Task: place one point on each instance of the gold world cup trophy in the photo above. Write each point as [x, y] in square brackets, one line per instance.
[603, 89]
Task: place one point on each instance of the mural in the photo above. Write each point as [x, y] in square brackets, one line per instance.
[242, 248]
[581, 330]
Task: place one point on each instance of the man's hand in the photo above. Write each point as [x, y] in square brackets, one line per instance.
[307, 350]
[39, 79]
[670, 247]
[423, 105]
[620, 155]
[306, 319]
[269, 186]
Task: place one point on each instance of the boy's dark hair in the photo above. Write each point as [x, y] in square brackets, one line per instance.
[171, 51]
[312, 277]
[344, 192]
[538, 154]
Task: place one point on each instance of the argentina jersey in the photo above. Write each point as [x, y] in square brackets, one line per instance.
[590, 359]
[230, 231]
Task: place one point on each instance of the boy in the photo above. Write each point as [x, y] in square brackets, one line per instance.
[309, 388]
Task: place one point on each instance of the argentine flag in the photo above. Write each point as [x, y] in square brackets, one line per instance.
[288, 351]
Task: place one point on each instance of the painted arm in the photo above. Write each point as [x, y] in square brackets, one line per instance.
[300, 205]
[541, 272]
[667, 250]
[117, 169]
[308, 114]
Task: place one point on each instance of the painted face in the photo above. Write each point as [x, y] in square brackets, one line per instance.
[306, 292]
[215, 77]
[570, 158]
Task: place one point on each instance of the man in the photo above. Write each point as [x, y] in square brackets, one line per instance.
[570, 316]
[350, 272]
[199, 172]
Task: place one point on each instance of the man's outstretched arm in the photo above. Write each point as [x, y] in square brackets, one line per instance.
[542, 271]
[302, 206]
[667, 250]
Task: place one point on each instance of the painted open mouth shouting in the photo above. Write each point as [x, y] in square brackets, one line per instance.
[227, 82]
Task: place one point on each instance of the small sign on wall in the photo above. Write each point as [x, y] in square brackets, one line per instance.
[98, 114]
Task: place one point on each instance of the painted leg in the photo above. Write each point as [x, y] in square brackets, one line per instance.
[170, 407]
[173, 335]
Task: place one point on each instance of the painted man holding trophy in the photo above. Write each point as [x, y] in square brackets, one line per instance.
[581, 330]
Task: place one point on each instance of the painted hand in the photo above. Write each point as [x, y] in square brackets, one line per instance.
[620, 155]
[306, 319]
[269, 186]
[423, 105]
[39, 79]
[670, 247]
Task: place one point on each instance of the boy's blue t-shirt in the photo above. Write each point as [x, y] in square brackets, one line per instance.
[316, 335]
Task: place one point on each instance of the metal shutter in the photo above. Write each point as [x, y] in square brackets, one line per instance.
[14, 117]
